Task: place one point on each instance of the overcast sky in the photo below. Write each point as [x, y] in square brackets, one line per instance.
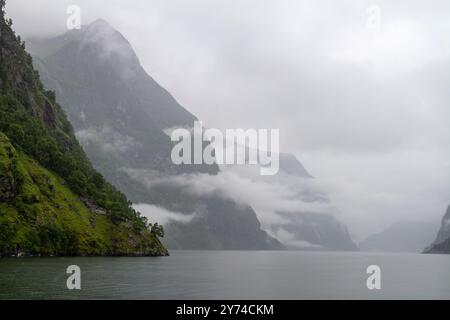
[365, 108]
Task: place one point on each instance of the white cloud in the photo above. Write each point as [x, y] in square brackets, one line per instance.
[161, 215]
[267, 195]
[107, 139]
[289, 239]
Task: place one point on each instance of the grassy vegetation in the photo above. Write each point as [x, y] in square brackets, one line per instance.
[52, 201]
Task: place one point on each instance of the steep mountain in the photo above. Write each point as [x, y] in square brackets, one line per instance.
[405, 236]
[295, 209]
[315, 231]
[122, 116]
[442, 242]
[52, 202]
[291, 166]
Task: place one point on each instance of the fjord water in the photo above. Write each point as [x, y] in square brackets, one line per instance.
[230, 275]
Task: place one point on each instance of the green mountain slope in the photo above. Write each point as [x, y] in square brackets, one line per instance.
[122, 116]
[51, 199]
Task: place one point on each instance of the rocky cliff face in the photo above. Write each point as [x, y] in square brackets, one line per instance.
[122, 116]
[442, 242]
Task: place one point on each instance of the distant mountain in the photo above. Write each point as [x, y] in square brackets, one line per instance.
[405, 236]
[121, 116]
[290, 165]
[314, 231]
[52, 202]
[302, 217]
[442, 242]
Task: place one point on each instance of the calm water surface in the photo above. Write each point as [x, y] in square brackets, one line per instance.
[230, 275]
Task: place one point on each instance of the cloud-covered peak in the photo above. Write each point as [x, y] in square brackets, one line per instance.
[109, 45]
[102, 28]
[100, 22]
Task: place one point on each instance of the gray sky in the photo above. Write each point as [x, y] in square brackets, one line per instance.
[365, 109]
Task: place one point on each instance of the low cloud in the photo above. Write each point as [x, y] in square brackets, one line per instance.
[107, 139]
[162, 216]
[289, 239]
[244, 185]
